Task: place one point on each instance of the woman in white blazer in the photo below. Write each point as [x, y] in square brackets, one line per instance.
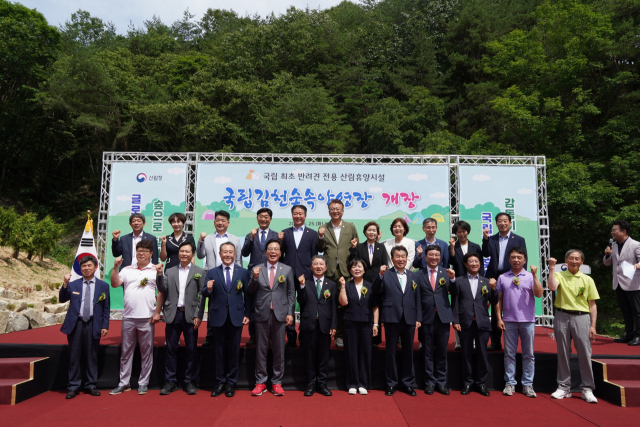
[399, 229]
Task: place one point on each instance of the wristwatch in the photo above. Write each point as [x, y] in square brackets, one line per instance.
[375, 324]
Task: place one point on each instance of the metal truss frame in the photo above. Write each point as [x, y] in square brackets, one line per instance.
[452, 161]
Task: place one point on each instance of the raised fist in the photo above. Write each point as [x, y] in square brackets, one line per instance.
[159, 269]
[321, 232]
[354, 242]
[452, 241]
[281, 235]
[419, 251]
[164, 240]
[341, 281]
[607, 250]
[301, 279]
[67, 278]
[253, 233]
[256, 272]
[202, 236]
[485, 233]
[534, 270]
[117, 262]
[210, 285]
[552, 262]
[451, 273]
[383, 268]
[116, 234]
[493, 283]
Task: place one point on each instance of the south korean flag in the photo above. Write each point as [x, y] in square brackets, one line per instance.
[87, 247]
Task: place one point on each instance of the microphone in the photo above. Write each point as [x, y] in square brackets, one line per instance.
[611, 243]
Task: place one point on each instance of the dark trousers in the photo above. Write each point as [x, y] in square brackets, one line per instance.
[629, 302]
[482, 365]
[357, 353]
[82, 343]
[226, 342]
[391, 333]
[435, 338]
[172, 332]
[315, 346]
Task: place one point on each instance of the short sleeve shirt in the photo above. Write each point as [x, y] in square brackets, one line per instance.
[575, 291]
[139, 299]
[518, 301]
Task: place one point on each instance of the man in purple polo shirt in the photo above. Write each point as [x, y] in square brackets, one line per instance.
[517, 291]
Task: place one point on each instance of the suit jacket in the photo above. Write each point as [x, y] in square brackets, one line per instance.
[208, 248]
[299, 259]
[124, 245]
[438, 299]
[420, 262]
[252, 248]
[360, 309]
[631, 254]
[222, 302]
[380, 257]
[395, 303]
[466, 307]
[337, 253]
[73, 292]
[169, 284]
[409, 244]
[325, 308]
[491, 248]
[457, 261]
[283, 294]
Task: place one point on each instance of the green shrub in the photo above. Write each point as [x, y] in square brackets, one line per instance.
[30, 305]
[54, 300]
[11, 307]
[58, 285]
[38, 288]
[63, 254]
[52, 286]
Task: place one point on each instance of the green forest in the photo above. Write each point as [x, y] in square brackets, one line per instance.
[558, 78]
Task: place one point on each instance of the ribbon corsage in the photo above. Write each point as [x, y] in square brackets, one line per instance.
[580, 292]
[516, 281]
[414, 285]
[281, 279]
[239, 286]
[364, 290]
[102, 297]
[197, 276]
[144, 282]
[485, 290]
[327, 294]
[441, 282]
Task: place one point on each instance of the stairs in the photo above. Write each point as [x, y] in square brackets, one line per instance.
[22, 378]
[617, 380]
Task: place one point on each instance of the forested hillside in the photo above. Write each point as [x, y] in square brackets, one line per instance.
[521, 77]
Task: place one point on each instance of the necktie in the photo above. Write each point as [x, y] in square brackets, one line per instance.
[228, 279]
[318, 287]
[86, 300]
[370, 254]
[272, 276]
[433, 279]
[262, 238]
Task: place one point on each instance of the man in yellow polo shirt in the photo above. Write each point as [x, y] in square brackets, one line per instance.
[575, 320]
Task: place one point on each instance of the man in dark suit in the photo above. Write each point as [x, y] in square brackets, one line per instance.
[318, 319]
[401, 315]
[436, 317]
[86, 321]
[181, 286]
[430, 227]
[229, 310]
[255, 248]
[471, 319]
[299, 245]
[272, 285]
[125, 246]
[498, 248]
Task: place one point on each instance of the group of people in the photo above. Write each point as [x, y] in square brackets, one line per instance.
[348, 293]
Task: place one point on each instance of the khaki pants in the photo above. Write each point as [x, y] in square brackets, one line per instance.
[574, 327]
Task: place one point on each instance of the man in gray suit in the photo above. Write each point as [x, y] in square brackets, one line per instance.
[625, 249]
[209, 247]
[180, 287]
[274, 290]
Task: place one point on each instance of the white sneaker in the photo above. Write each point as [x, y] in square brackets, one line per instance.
[527, 390]
[362, 390]
[352, 391]
[508, 390]
[561, 394]
[588, 396]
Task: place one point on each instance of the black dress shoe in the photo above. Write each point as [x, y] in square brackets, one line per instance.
[191, 389]
[291, 344]
[442, 390]
[482, 389]
[390, 391]
[168, 388]
[410, 391]
[466, 389]
[229, 391]
[324, 390]
[624, 340]
[428, 389]
[207, 344]
[494, 347]
[218, 390]
[310, 390]
[251, 342]
[71, 394]
[93, 392]
[635, 341]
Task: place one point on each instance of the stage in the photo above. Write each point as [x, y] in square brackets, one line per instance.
[49, 341]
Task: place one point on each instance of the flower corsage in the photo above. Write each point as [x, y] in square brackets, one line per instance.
[281, 279]
[239, 286]
[102, 297]
[414, 285]
[580, 292]
[327, 294]
[144, 282]
[441, 282]
[516, 281]
[364, 291]
[484, 290]
[197, 276]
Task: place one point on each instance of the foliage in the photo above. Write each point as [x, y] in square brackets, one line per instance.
[54, 300]
[38, 288]
[11, 307]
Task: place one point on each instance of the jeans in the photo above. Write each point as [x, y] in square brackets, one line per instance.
[526, 332]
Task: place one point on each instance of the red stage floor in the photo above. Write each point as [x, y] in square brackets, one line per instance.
[52, 335]
[375, 409]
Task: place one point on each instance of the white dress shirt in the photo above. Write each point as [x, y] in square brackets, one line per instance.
[502, 241]
[473, 281]
[219, 241]
[464, 248]
[183, 273]
[402, 278]
[336, 231]
[297, 234]
[134, 241]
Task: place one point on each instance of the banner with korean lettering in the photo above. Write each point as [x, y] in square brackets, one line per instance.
[154, 189]
[370, 193]
[486, 191]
